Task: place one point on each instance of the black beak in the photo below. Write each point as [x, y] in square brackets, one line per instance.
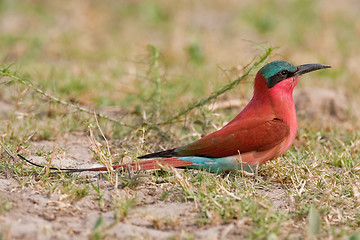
[309, 68]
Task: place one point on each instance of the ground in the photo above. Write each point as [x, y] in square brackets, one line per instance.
[32, 213]
[42, 215]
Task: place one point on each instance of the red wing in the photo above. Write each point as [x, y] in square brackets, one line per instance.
[241, 136]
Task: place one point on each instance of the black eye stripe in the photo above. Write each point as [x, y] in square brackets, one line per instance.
[280, 76]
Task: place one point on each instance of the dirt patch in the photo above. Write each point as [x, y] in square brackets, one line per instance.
[36, 215]
[70, 151]
[328, 105]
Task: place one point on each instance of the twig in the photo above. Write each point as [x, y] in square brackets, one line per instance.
[224, 89]
[7, 150]
[6, 72]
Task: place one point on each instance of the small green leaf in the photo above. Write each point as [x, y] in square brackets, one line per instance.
[314, 222]
[98, 222]
[355, 236]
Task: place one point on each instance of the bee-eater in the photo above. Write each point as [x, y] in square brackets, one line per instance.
[263, 130]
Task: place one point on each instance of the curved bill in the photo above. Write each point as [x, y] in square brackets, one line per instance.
[301, 69]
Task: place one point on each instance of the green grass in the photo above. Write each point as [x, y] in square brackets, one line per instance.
[149, 69]
[5, 205]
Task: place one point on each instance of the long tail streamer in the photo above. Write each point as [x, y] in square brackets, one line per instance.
[135, 166]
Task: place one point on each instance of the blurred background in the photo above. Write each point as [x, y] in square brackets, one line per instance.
[97, 54]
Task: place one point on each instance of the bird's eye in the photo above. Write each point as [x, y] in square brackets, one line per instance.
[284, 72]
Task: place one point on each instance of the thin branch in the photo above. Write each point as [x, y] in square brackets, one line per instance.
[221, 91]
[6, 72]
[7, 150]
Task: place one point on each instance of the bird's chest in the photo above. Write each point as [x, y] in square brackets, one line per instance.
[290, 118]
[287, 113]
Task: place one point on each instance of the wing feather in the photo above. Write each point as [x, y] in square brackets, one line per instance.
[241, 136]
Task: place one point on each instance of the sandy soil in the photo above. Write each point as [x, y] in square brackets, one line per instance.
[35, 214]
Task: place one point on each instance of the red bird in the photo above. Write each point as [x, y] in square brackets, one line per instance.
[263, 130]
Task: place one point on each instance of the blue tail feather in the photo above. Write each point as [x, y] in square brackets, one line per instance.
[216, 165]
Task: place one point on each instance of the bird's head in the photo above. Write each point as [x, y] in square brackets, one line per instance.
[283, 75]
